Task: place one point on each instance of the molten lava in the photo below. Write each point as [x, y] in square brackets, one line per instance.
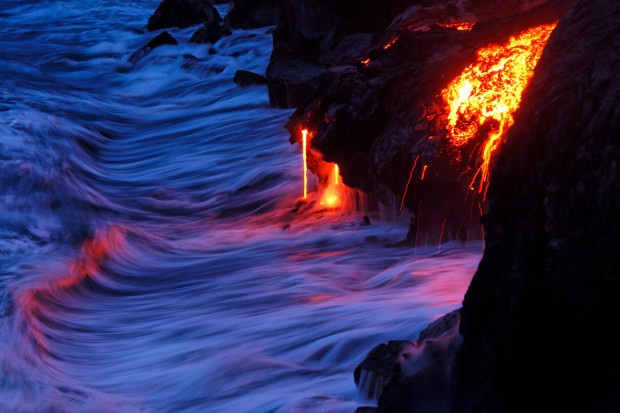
[390, 43]
[461, 26]
[330, 186]
[489, 91]
[332, 192]
[304, 146]
[336, 174]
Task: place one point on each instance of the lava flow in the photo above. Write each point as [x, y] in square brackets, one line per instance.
[304, 146]
[330, 185]
[331, 194]
[490, 89]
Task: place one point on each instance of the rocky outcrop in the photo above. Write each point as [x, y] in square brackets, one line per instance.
[183, 13]
[408, 376]
[163, 38]
[250, 14]
[245, 78]
[540, 320]
[209, 33]
[316, 34]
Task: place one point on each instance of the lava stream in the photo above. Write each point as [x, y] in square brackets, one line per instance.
[491, 89]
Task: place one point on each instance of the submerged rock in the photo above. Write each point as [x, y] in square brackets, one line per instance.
[209, 33]
[183, 13]
[159, 40]
[245, 78]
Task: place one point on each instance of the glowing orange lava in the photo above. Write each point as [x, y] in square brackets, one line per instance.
[390, 43]
[331, 195]
[491, 88]
[423, 172]
[463, 26]
[336, 174]
[330, 188]
[304, 145]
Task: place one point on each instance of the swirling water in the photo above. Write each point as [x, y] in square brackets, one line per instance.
[152, 257]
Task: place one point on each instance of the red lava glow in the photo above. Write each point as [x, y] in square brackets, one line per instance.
[462, 26]
[390, 43]
[332, 194]
[92, 256]
[415, 163]
[304, 146]
[423, 172]
[94, 252]
[491, 89]
[331, 191]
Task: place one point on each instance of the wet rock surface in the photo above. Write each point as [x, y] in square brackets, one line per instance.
[209, 33]
[163, 38]
[408, 376]
[245, 78]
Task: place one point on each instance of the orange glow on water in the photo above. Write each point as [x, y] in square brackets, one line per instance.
[304, 146]
[489, 90]
[92, 256]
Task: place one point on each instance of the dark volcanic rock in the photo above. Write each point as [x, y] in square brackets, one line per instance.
[183, 13]
[246, 78]
[306, 29]
[209, 33]
[541, 319]
[159, 40]
[250, 14]
[292, 81]
[382, 366]
[412, 376]
[323, 33]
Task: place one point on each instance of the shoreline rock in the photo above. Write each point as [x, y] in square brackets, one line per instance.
[412, 376]
[182, 13]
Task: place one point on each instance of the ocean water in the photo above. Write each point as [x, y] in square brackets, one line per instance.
[154, 253]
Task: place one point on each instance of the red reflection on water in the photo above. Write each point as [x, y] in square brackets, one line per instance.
[314, 255]
[93, 253]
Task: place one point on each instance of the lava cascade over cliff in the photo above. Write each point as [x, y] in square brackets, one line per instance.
[416, 119]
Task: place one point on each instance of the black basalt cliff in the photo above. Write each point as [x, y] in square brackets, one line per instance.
[541, 318]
